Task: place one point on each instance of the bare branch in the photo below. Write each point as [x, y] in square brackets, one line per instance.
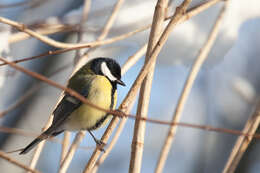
[144, 98]
[186, 90]
[66, 162]
[11, 160]
[40, 146]
[194, 11]
[45, 30]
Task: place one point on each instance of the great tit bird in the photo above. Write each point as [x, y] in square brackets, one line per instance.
[97, 81]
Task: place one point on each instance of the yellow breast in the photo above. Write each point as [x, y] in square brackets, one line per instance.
[86, 117]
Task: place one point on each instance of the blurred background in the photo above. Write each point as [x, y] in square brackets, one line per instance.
[224, 93]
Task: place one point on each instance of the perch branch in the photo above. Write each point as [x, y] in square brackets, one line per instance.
[11, 160]
[186, 90]
[144, 98]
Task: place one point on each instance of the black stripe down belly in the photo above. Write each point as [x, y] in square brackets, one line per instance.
[101, 121]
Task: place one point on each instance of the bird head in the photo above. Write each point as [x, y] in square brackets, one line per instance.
[107, 67]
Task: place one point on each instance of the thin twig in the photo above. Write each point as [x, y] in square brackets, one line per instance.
[133, 59]
[145, 91]
[20, 100]
[196, 126]
[111, 20]
[58, 44]
[65, 146]
[243, 142]
[66, 162]
[113, 141]
[42, 55]
[17, 163]
[204, 51]
[40, 146]
[30, 92]
[84, 17]
[22, 132]
[194, 11]
[107, 27]
[17, 131]
[45, 30]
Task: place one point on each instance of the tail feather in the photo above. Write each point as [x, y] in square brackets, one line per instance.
[50, 132]
[34, 143]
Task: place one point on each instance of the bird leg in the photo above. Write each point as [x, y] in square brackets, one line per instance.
[99, 143]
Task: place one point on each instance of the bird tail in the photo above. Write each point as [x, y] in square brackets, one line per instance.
[36, 141]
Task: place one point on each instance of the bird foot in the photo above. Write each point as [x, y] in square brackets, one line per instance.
[122, 113]
[101, 145]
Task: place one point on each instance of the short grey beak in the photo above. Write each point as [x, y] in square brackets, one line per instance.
[120, 82]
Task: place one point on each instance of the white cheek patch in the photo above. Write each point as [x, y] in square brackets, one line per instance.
[105, 70]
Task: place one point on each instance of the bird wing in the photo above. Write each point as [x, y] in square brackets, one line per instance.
[70, 103]
[67, 105]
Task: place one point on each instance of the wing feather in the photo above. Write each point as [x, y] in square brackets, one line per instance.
[69, 104]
